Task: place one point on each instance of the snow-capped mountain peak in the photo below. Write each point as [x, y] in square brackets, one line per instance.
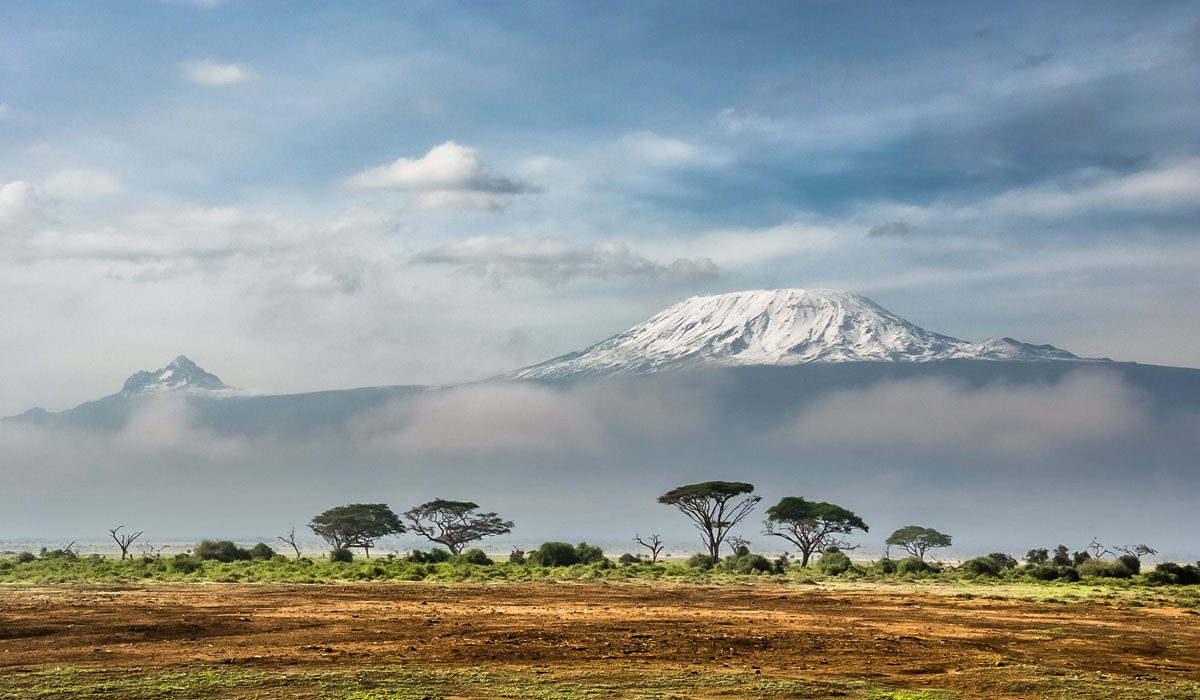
[180, 374]
[775, 327]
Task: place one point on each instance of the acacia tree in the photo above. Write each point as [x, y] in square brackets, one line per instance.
[917, 540]
[455, 524]
[356, 525]
[812, 526]
[714, 507]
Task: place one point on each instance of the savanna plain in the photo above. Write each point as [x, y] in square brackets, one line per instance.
[579, 633]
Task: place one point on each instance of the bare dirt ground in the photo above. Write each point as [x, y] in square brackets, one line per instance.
[901, 640]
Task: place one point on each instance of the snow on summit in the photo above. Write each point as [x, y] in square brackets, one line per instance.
[776, 327]
[181, 374]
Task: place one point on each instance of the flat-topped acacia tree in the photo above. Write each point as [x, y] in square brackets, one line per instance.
[356, 525]
[813, 526]
[715, 507]
[455, 524]
[917, 540]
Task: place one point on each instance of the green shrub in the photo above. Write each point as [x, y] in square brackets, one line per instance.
[1068, 573]
[981, 566]
[472, 556]
[833, 563]
[1104, 569]
[221, 550]
[747, 563]
[884, 566]
[261, 551]
[699, 561]
[1131, 562]
[1169, 573]
[554, 554]
[782, 564]
[341, 555]
[627, 559]
[516, 557]
[589, 554]
[914, 565]
[1004, 561]
[1045, 572]
[182, 564]
[25, 557]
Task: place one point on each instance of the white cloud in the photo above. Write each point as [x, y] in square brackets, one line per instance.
[555, 260]
[449, 175]
[215, 74]
[19, 201]
[82, 183]
[168, 234]
[654, 149]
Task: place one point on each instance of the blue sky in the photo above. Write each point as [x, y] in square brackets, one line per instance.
[316, 195]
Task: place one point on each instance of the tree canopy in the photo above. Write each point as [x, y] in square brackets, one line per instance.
[455, 524]
[356, 525]
[917, 540]
[812, 526]
[714, 507]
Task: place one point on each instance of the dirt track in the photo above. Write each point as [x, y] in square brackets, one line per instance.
[904, 637]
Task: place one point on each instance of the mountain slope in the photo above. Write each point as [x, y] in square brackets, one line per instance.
[775, 327]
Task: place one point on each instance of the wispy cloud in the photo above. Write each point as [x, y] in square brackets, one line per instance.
[555, 261]
[449, 175]
[215, 74]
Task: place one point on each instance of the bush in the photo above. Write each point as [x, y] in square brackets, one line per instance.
[981, 566]
[341, 555]
[1044, 572]
[1105, 569]
[699, 561]
[472, 556]
[1068, 573]
[1004, 561]
[516, 557]
[833, 563]
[589, 554]
[182, 564]
[747, 563]
[627, 559]
[554, 554]
[261, 551]
[25, 557]
[222, 550]
[782, 564]
[1131, 562]
[884, 566]
[1168, 573]
[914, 565]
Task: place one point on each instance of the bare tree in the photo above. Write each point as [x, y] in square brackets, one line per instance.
[1099, 550]
[291, 539]
[123, 541]
[1137, 550]
[736, 542]
[153, 552]
[70, 549]
[652, 543]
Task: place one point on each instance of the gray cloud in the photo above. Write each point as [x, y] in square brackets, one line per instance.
[555, 261]
[889, 229]
[1033, 60]
[1084, 411]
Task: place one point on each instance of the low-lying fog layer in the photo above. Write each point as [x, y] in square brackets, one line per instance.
[1001, 459]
